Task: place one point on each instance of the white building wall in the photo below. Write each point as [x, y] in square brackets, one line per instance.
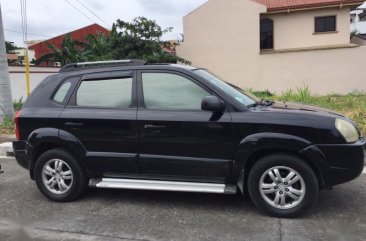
[358, 25]
[18, 83]
[223, 36]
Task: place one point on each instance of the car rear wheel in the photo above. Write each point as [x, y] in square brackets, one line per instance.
[59, 176]
[282, 185]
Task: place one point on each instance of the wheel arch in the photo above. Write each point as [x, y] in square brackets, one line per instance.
[257, 146]
[42, 140]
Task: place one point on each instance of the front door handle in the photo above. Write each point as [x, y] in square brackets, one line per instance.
[154, 127]
[74, 124]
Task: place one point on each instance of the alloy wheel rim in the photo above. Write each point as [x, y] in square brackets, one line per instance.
[57, 176]
[282, 187]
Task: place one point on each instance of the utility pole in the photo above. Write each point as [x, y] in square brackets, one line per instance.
[6, 99]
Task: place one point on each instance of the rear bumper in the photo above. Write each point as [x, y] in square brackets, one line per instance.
[20, 153]
[345, 162]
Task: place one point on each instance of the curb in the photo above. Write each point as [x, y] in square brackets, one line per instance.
[6, 149]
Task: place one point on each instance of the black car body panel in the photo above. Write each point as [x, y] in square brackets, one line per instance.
[180, 144]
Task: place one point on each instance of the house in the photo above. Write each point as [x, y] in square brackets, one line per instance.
[358, 19]
[359, 39]
[41, 48]
[276, 44]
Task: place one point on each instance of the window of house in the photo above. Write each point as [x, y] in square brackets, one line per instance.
[171, 91]
[266, 34]
[362, 16]
[325, 24]
[108, 93]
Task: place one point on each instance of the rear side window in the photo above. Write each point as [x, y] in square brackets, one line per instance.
[108, 93]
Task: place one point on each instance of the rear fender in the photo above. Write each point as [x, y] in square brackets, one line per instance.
[41, 140]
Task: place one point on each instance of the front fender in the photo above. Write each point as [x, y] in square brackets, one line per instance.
[257, 145]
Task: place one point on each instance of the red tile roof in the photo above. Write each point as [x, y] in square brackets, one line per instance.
[278, 5]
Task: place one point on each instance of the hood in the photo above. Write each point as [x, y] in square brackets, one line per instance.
[288, 106]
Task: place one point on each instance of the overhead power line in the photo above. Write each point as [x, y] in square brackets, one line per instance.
[19, 32]
[23, 12]
[82, 4]
[77, 9]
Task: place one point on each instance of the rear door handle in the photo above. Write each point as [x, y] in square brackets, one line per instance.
[74, 124]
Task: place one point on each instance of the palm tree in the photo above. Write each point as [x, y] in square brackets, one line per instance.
[98, 47]
[70, 52]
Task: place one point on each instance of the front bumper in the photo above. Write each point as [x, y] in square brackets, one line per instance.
[345, 162]
[20, 153]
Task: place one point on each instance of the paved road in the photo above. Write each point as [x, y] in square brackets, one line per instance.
[340, 214]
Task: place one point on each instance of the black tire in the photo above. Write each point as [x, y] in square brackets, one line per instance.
[79, 180]
[289, 161]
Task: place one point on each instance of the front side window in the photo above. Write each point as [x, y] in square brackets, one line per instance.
[266, 38]
[325, 24]
[171, 91]
[108, 93]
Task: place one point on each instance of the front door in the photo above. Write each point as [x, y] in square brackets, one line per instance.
[101, 114]
[179, 141]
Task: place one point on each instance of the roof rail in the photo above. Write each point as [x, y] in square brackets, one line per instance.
[100, 64]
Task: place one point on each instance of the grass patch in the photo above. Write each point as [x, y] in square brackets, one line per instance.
[352, 105]
[7, 126]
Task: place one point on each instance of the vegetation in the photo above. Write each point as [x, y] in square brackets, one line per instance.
[353, 33]
[139, 39]
[7, 125]
[353, 105]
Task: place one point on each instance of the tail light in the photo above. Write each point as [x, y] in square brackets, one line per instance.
[16, 120]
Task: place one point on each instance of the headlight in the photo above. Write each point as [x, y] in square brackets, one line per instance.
[348, 130]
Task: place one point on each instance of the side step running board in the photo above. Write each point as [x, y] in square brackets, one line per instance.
[162, 185]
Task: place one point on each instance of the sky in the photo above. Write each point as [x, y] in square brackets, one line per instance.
[50, 18]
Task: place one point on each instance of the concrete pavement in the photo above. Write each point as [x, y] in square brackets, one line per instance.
[339, 214]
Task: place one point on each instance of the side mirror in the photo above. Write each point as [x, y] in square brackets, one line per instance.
[213, 104]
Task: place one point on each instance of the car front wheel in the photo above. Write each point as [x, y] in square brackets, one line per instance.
[282, 185]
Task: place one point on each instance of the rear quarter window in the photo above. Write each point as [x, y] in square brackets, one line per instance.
[64, 91]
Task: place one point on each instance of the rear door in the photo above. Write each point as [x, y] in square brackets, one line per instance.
[178, 140]
[101, 114]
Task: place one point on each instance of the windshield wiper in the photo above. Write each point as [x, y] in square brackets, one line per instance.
[253, 105]
[262, 102]
[266, 102]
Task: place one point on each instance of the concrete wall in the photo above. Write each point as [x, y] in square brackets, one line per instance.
[297, 29]
[18, 83]
[223, 36]
[323, 71]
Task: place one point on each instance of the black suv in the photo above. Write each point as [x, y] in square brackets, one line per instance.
[131, 125]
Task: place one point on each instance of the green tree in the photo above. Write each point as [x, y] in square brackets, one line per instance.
[71, 51]
[139, 39]
[10, 47]
[98, 47]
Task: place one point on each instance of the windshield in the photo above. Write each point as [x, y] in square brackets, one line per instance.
[234, 91]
